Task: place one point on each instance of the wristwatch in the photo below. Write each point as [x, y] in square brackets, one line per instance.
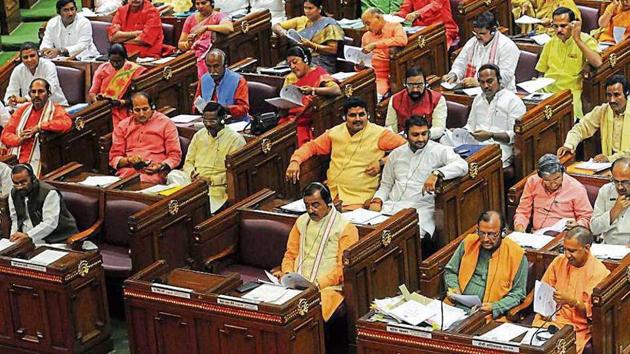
[437, 174]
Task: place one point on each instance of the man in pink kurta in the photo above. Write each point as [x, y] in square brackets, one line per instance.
[146, 142]
[551, 195]
[429, 12]
[138, 26]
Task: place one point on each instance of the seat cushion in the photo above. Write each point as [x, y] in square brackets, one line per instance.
[116, 260]
[247, 273]
[169, 34]
[116, 227]
[184, 143]
[457, 114]
[262, 243]
[592, 192]
[84, 208]
[590, 17]
[525, 68]
[258, 92]
[99, 36]
[72, 82]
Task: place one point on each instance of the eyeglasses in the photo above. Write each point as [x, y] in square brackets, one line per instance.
[625, 184]
[491, 235]
[413, 85]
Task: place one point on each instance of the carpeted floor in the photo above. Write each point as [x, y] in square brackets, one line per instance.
[119, 336]
[43, 10]
[5, 56]
[25, 32]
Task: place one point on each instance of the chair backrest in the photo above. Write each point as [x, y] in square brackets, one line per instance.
[591, 191]
[457, 115]
[589, 18]
[72, 82]
[262, 242]
[169, 34]
[99, 36]
[184, 143]
[116, 226]
[525, 68]
[84, 208]
[258, 92]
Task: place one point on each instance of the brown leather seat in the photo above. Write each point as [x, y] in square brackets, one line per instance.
[590, 17]
[169, 34]
[84, 208]
[258, 92]
[457, 114]
[99, 36]
[525, 68]
[72, 82]
[184, 143]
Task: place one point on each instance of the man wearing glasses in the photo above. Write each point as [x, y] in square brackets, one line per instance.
[417, 100]
[611, 215]
[488, 266]
[563, 58]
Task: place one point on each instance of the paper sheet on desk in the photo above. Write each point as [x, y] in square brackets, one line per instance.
[527, 20]
[99, 181]
[5, 243]
[237, 126]
[393, 18]
[340, 76]
[351, 24]
[528, 338]
[541, 39]
[452, 314]
[604, 251]
[412, 312]
[535, 85]
[186, 118]
[272, 294]
[355, 55]
[47, 257]
[297, 206]
[505, 332]
[593, 166]
[529, 240]
[450, 85]
[544, 304]
[362, 216]
[157, 188]
[458, 137]
[466, 300]
[558, 227]
[473, 91]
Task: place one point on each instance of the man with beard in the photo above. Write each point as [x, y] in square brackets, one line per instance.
[573, 275]
[21, 133]
[611, 119]
[489, 266]
[417, 100]
[494, 113]
[357, 152]
[223, 85]
[206, 155]
[69, 34]
[412, 172]
[611, 215]
[37, 210]
[551, 195]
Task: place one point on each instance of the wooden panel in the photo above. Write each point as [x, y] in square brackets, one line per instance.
[250, 39]
[336, 8]
[615, 60]
[10, 16]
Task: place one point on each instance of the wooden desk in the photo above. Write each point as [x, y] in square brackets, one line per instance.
[212, 318]
[10, 16]
[250, 39]
[59, 308]
[468, 10]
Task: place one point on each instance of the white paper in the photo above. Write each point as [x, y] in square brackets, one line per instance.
[294, 36]
[535, 85]
[412, 312]
[356, 55]
[272, 294]
[559, 226]
[297, 206]
[74, 109]
[348, 23]
[5, 243]
[294, 281]
[238, 126]
[527, 20]
[200, 103]
[466, 300]
[458, 137]
[47, 257]
[602, 46]
[544, 304]
[537, 96]
[473, 91]
[290, 97]
[541, 39]
[411, 30]
[605, 251]
[505, 332]
[452, 314]
[145, 60]
[272, 278]
[163, 60]
[186, 118]
[448, 85]
[528, 337]
[393, 18]
[341, 76]
[530, 240]
[593, 166]
[361, 216]
[619, 33]
[99, 181]
[157, 188]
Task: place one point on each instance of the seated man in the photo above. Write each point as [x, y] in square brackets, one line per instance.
[611, 215]
[147, 142]
[206, 155]
[493, 113]
[489, 46]
[611, 119]
[137, 25]
[573, 275]
[563, 58]
[429, 12]
[357, 150]
[379, 38]
[615, 17]
[552, 195]
[69, 34]
[21, 133]
[224, 86]
[32, 67]
[316, 243]
[541, 9]
[418, 100]
[234, 8]
[412, 172]
[489, 266]
[276, 7]
[37, 210]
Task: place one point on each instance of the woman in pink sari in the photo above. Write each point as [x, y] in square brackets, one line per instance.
[198, 29]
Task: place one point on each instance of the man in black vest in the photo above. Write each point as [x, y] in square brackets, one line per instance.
[37, 209]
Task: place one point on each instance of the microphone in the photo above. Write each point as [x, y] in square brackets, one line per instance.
[551, 330]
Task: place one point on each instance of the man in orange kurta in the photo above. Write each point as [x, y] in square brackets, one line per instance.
[573, 275]
[429, 12]
[138, 26]
[381, 36]
[20, 133]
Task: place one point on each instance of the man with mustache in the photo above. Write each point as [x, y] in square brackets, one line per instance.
[357, 152]
[417, 100]
[21, 133]
[69, 34]
[493, 113]
[412, 173]
[611, 119]
[611, 215]
[224, 86]
[573, 275]
[489, 266]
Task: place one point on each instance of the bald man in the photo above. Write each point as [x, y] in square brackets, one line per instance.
[611, 215]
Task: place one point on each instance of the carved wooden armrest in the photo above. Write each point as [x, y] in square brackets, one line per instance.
[105, 142]
[76, 241]
[168, 111]
[518, 313]
[212, 261]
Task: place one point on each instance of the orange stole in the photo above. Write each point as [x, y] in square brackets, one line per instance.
[502, 268]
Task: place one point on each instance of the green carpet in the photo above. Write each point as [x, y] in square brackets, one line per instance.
[5, 56]
[44, 10]
[25, 32]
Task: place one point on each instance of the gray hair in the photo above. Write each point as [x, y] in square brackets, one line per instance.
[217, 51]
[548, 164]
[375, 11]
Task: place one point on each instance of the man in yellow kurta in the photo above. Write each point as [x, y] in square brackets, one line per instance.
[316, 245]
[357, 151]
[611, 119]
[543, 10]
[206, 155]
[573, 275]
[564, 57]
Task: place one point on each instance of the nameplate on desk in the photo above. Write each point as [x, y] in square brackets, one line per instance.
[27, 265]
[415, 332]
[171, 291]
[494, 345]
[237, 302]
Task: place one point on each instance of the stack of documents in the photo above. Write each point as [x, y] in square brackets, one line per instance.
[364, 217]
[5, 243]
[355, 55]
[290, 97]
[530, 240]
[603, 251]
[186, 118]
[341, 76]
[527, 20]
[273, 294]
[297, 206]
[556, 228]
[544, 304]
[535, 85]
[47, 257]
[504, 333]
[393, 18]
[417, 310]
[351, 24]
[589, 167]
[99, 181]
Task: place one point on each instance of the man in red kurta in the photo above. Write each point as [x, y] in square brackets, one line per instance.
[138, 26]
[20, 133]
[429, 12]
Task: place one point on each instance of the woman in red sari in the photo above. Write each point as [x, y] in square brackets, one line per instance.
[312, 81]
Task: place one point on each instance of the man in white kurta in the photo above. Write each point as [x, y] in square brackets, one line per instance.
[234, 8]
[276, 7]
[493, 113]
[611, 215]
[412, 172]
[68, 34]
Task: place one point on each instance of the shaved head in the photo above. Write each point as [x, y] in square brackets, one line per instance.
[581, 234]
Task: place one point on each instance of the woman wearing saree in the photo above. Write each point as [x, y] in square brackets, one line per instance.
[312, 80]
[198, 29]
[112, 80]
[318, 32]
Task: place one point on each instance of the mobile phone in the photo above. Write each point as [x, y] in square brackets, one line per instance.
[250, 285]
